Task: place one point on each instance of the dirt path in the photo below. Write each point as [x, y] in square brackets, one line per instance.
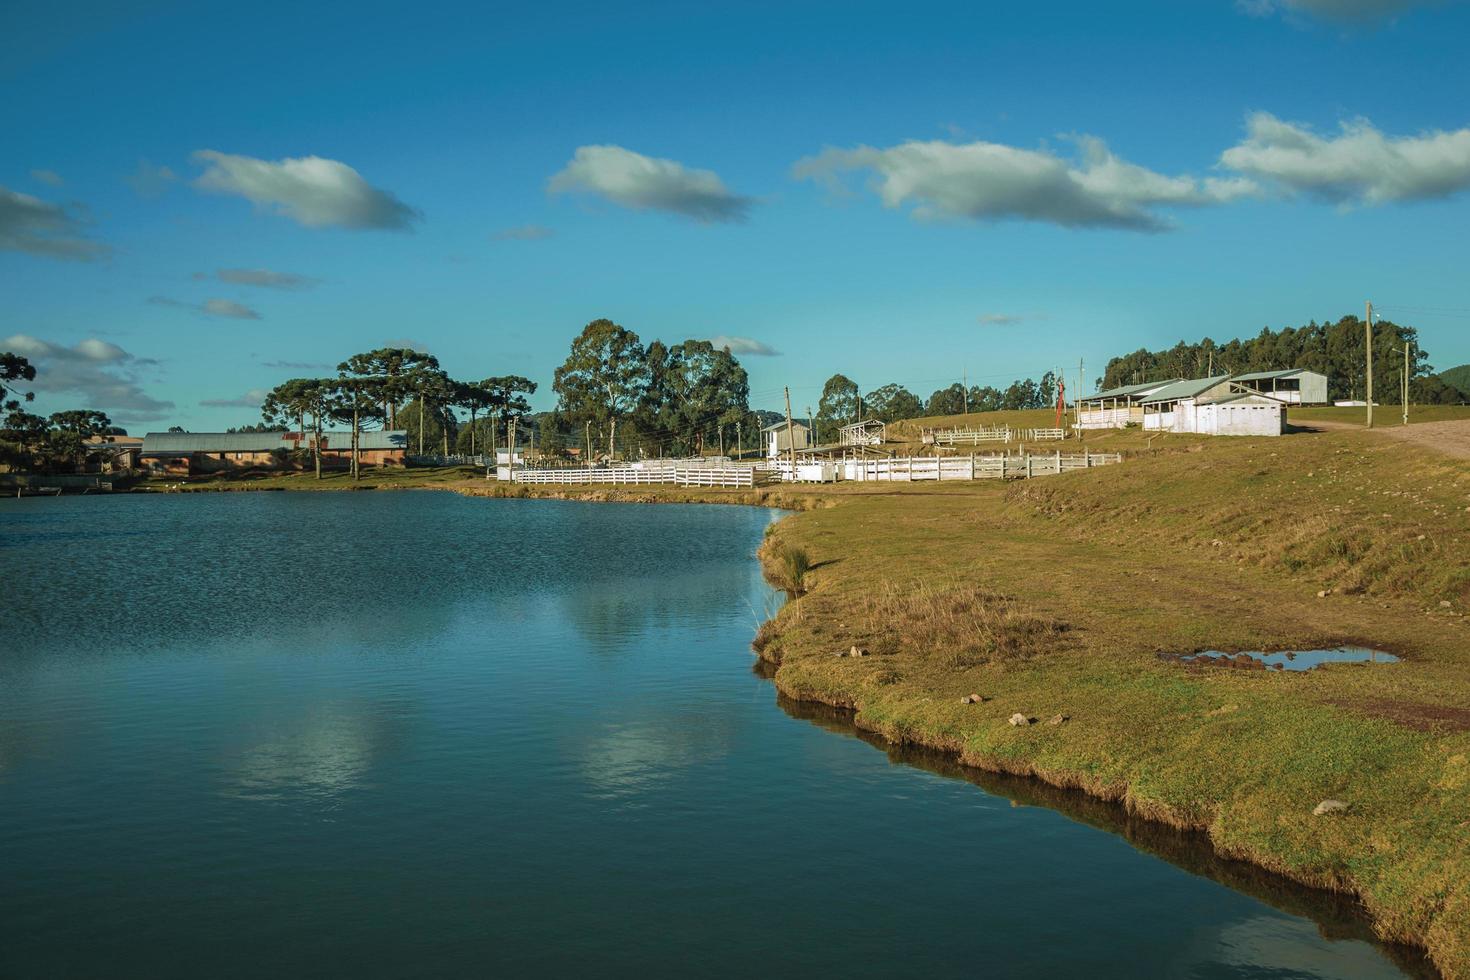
[1452, 437]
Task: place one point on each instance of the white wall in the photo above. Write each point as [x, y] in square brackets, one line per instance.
[1241, 418]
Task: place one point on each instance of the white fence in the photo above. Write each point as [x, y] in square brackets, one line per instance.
[705, 474]
[912, 469]
[1000, 433]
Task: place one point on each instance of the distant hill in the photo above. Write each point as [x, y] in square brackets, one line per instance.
[1458, 377]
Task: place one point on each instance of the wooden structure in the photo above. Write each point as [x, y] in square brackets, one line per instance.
[1214, 406]
[868, 432]
[1001, 433]
[913, 469]
[779, 440]
[638, 474]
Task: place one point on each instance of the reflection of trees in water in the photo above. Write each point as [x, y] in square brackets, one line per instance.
[625, 607]
[323, 750]
[1337, 916]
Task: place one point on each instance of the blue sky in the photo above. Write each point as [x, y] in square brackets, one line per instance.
[897, 193]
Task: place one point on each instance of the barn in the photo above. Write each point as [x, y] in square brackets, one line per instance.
[1240, 414]
[1172, 407]
[779, 441]
[1296, 386]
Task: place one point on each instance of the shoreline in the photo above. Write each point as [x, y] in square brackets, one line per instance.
[805, 673]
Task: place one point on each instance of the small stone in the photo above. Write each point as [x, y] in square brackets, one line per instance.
[1323, 593]
[1058, 719]
[971, 699]
[1217, 543]
[1019, 720]
[858, 652]
[1329, 806]
[1445, 604]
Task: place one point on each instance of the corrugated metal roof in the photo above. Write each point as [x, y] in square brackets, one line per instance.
[1268, 375]
[175, 443]
[1144, 388]
[782, 426]
[1243, 396]
[1190, 388]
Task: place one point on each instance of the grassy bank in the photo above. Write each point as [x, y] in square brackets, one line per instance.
[1053, 598]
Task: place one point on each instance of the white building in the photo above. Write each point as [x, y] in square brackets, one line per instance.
[869, 432]
[1297, 386]
[1116, 407]
[1213, 406]
[779, 440]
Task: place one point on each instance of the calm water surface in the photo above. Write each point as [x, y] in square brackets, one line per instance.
[414, 734]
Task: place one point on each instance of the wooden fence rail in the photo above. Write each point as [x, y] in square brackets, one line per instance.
[684, 476]
[976, 467]
[1000, 433]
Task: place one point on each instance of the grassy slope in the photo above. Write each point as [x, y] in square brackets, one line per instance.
[1094, 573]
[1382, 414]
[1458, 377]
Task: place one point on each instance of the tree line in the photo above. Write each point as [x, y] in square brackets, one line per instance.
[42, 443]
[1334, 349]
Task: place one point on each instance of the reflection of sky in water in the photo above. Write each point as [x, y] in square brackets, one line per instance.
[325, 752]
[1270, 946]
[634, 758]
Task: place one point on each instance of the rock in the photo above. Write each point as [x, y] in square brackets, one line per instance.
[1058, 719]
[1323, 593]
[971, 699]
[1217, 543]
[1019, 720]
[1329, 806]
[858, 652]
[1445, 604]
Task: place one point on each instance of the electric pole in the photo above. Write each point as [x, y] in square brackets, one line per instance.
[739, 442]
[965, 386]
[587, 461]
[790, 436]
[1368, 350]
[1406, 382]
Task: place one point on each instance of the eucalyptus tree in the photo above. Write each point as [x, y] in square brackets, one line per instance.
[693, 386]
[840, 402]
[70, 430]
[603, 378]
[473, 398]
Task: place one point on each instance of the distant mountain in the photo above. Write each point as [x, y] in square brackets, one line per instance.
[1458, 377]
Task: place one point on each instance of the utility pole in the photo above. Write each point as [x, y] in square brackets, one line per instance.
[739, 442]
[965, 386]
[512, 455]
[790, 436]
[811, 424]
[1368, 350]
[587, 460]
[1406, 382]
[722, 438]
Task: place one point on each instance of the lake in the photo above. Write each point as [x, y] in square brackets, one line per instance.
[417, 734]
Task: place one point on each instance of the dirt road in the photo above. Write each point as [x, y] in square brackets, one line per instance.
[1451, 437]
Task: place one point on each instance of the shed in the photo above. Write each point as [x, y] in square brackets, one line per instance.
[1117, 407]
[192, 452]
[1172, 407]
[1240, 414]
[780, 440]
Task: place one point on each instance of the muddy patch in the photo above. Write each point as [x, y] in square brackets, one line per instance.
[1294, 660]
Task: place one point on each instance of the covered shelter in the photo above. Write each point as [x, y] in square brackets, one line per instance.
[1172, 408]
[868, 432]
[1295, 386]
[1117, 407]
[1241, 413]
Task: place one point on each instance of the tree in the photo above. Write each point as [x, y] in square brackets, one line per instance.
[893, 402]
[946, 401]
[839, 403]
[292, 401]
[473, 398]
[397, 369]
[70, 430]
[26, 435]
[355, 399]
[603, 378]
[14, 368]
[692, 387]
[508, 397]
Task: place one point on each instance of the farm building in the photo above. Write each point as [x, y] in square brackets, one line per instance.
[1297, 386]
[869, 432]
[779, 440]
[1171, 408]
[183, 453]
[1117, 407]
[1213, 406]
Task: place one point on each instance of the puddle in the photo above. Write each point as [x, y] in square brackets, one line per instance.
[1289, 659]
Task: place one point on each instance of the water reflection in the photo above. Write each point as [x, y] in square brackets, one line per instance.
[325, 751]
[1338, 917]
[631, 759]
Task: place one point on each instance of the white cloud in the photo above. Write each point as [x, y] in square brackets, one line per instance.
[1004, 319]
[647, 183]
[150, 181]
[1342, 10]
[48, 177]
[104, 374]
[251, 399]
[743, 345]
[524, 233]
[36, 227]
[265, 278]
[1359, 165]
[993, 182]
[226, 308]
[297, 365]
[311, 191]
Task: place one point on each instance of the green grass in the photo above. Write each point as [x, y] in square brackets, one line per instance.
[1054, 597]
[1382, 414]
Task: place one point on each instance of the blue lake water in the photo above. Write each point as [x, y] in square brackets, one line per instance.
[415, 734]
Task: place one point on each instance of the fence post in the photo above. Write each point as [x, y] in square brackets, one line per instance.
[1086, 458]
[1059, 462]
[1028, 466]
